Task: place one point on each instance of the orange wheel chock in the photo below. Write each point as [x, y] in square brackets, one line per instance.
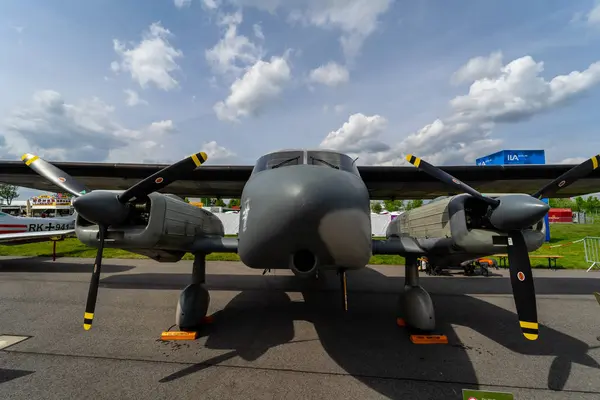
[429, 339]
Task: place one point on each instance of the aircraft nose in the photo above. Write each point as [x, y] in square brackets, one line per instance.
[293, 212]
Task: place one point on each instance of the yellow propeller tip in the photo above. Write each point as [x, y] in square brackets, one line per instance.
[87, 327]
[25, 156]
[204, 155]
[408, 157]
[530, 336]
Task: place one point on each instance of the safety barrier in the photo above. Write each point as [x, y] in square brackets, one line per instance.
[591, 246]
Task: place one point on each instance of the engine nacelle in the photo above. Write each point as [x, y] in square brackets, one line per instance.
[162, 227]
[458, 225]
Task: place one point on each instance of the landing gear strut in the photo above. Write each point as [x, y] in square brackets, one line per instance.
[194, 299]
[414, 304]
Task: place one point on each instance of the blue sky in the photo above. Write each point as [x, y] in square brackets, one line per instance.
[66, 65]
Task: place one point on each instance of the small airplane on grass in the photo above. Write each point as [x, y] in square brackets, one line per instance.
[20, 230]
[309, 210]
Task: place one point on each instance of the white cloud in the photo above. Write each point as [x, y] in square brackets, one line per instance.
[517, 93]
[211, 4]
[150, 144]
[331, 74]
[261, 83]
[233, 52]
[573, 160]
[266, 5]
[133, 98]
[217, 154]
[358, 135]
[593, 17]
[153, 60]
[85, 131]
[357, 19]
[182, 3]
[258, 31]
[479, 68]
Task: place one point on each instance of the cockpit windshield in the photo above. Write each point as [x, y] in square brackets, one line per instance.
[333, 160]
[279, 159]
[329, 159]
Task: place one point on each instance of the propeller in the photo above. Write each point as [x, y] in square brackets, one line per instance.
[54, 175]
[568, 177]
[512, 214]
[108, 208]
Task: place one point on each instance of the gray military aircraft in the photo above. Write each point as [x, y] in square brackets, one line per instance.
[309, 210]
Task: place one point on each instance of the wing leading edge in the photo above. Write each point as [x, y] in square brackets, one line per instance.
[30, 237]
[382, 182]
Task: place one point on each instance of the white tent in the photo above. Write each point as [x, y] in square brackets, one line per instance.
[379, 223]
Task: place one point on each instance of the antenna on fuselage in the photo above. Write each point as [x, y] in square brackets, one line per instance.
[353, 161]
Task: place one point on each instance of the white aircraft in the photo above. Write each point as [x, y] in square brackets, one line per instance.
[19, 230]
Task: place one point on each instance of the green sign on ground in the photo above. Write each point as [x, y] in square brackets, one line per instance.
[485, 395]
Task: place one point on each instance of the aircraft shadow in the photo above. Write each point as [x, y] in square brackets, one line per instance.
[366, 342]
[37, 264]
[364, 281]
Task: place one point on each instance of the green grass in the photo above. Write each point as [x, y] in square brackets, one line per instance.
[574, 255]
[561, 233]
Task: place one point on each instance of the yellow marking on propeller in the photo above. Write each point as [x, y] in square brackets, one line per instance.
[90, 317]
[196, 159]
[530, 336]
[595, 162]
[30, 159]
[528, 325]
[416, 162]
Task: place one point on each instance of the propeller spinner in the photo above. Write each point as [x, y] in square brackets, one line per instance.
[108, 208]
[511, 214]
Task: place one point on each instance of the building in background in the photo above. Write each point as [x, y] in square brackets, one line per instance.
[522, 157]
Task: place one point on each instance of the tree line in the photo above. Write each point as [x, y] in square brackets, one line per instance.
[591, 205]
[395, 205]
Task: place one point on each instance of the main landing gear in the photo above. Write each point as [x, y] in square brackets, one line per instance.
[194, 299]
[415, 307]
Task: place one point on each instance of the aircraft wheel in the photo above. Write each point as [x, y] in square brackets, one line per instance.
[192, 307]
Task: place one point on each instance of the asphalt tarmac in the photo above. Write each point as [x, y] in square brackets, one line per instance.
[276, 336]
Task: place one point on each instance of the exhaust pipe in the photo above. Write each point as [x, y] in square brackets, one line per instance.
[303, 263]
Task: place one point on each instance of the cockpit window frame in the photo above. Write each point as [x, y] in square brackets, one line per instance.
[323, 158]
[267, 161]
[339, 161]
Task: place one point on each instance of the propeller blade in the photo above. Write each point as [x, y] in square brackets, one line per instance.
[90, 306]
[163, 177]
[448, 179]
[568, 177]
[521, 279]
[54, 175]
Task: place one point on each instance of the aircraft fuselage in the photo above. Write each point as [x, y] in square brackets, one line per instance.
[305, 210]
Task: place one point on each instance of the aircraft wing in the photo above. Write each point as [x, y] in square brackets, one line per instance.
[228, 181]
[31, 237]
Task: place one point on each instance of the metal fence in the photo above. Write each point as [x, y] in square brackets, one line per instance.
[591, 246]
